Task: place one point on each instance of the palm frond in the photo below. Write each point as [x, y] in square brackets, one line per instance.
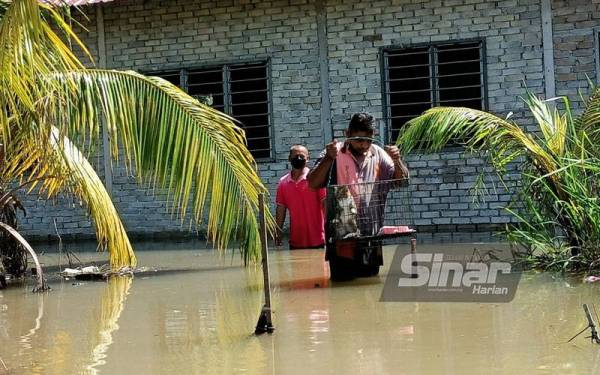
[589, 121]
[553, 126]
[57, 166]
[49, 117]
[478, 131]
[172, 140]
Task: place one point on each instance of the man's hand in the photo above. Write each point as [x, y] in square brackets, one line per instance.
[400, 170]
[332, 150]
[393, 152]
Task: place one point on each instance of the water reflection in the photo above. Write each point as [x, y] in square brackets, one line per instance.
[212, 334]
[25, 340]
[201, 322]
[112, 304]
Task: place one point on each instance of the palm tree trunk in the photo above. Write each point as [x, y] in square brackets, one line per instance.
[41, 285]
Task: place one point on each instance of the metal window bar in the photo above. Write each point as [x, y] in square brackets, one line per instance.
[402, 116]
[458, 62]
[459, 74]
[407, 104]
[370, 211]
[434, 79]
[458, 87]
[183, 80]
[257, 138]
[227, 92]
[256, 126]
[252, 115]
[472, 47]
[461, 100]
[246, 67]
[250, 79]
[204, 84]
[406, 79]
[205, 71]
[249, 103]
[231, 105]
[402, 54]
[226, 89]
[408, 91]
[407, 66]
[250, 91]
[434, 52]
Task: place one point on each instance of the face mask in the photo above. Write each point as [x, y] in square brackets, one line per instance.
[298, 162]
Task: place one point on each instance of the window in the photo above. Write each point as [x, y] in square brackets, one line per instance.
[241, 91]
[421, 77]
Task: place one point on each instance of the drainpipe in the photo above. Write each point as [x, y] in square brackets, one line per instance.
[324, 71]
[102, 65]
[548, 46]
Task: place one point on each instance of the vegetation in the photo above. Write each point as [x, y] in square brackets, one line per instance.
[51, 108]
[557, 203]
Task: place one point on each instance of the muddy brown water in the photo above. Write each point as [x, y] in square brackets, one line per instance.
[200, 319]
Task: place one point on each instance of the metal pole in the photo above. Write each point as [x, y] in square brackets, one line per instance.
[265, 323]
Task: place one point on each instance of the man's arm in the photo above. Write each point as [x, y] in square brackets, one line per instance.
[317, 177]
[400, 170]
[279, 219]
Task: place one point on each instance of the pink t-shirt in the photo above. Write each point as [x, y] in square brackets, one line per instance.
[306, 210]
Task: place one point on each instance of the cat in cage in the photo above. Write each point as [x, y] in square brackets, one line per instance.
[345, 221]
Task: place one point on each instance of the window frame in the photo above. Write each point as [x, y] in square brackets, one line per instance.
[224, 67]
[385, 100]
[596, 31]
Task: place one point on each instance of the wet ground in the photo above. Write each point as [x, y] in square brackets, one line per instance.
[200, 319]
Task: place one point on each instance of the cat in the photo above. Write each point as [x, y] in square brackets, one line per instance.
[346, 214]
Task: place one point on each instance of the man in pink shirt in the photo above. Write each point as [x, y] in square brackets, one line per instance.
[356, 161]
[304, 204]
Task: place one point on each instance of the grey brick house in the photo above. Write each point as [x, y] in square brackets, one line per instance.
[293, 71]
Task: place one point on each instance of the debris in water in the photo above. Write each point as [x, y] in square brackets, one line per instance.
[94, 272]
[591, 279]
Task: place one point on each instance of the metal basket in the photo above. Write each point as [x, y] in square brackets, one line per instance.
[369, 211]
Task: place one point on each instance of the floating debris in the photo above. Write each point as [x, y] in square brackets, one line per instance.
[591, 279]
[94, 272]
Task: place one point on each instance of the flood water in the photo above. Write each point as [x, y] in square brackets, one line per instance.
[199, 319]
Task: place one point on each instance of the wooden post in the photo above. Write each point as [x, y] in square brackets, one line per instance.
[265, 322]
[413, 251]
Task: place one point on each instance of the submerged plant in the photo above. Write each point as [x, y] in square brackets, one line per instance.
[556, 203]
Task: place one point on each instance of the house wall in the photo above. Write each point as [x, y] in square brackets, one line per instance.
[156, 35]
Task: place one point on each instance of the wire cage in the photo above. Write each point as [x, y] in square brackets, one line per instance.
[369, 211]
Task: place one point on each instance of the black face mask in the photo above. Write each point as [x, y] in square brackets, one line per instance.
[298, 162]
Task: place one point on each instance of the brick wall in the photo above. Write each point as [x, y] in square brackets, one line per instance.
[157, 35]
[575, 28]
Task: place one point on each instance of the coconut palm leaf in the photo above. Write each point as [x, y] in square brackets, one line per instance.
[588, 124]
[553, 126]
[478, 130]
[204, 155]
[557, 202]
[50, 110]
[58, 166]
